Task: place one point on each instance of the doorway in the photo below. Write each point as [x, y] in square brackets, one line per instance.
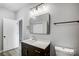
[12, 34]
[20, 30]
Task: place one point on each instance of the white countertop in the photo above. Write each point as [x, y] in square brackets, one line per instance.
[37, 43]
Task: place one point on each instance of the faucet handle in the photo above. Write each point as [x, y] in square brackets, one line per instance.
[33, 37]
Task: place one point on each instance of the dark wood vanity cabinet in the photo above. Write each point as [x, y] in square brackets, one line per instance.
[29, 50]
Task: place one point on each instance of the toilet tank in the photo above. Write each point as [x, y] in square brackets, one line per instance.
[60, 51]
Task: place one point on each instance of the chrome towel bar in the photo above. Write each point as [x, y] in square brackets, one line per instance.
[67, 22]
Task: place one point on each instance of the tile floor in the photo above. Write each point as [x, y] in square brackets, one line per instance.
[13, 52]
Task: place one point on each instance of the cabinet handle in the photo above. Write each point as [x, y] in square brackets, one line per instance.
[37, 51]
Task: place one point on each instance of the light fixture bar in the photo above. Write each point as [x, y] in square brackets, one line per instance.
[36, 6]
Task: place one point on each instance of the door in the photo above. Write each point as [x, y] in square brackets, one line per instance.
[10, 34]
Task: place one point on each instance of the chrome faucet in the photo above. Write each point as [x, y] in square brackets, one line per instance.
[33, 37]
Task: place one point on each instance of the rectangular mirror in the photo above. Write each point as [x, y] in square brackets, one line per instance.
[40, 24]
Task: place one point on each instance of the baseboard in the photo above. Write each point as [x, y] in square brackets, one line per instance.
[7, 50]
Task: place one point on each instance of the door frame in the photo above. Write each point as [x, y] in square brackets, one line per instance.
[18, 20]
[2, 38]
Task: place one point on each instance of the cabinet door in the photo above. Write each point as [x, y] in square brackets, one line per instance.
[28, 50]
[24, 51]
[32, 51]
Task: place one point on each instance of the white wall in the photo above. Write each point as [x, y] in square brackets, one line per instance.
[8, 14]
[58, 12]
[24, 15]
[65, 11]
[65, 35]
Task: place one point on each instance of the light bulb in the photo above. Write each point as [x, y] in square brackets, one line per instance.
[31, 13]
[41, 10]
[45, 8]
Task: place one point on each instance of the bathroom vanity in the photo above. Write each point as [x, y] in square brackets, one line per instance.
[39, 25]
[35, 48]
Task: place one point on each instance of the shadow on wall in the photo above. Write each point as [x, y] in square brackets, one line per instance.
[52, 50]
[77, 52]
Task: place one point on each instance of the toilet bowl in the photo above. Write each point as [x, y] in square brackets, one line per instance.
[60, 51]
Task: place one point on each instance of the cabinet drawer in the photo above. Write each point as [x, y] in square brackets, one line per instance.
[34, 51]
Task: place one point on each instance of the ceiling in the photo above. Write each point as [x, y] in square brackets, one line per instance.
[16, 6]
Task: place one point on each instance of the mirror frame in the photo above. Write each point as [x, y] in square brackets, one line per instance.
[32, 23]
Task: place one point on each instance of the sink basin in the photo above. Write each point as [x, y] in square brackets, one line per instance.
[37, 43]
[41, 44]
[29, 41]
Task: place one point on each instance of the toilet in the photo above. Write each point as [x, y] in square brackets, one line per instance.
[61, 51]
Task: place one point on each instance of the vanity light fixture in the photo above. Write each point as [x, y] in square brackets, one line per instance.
[39, 9]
